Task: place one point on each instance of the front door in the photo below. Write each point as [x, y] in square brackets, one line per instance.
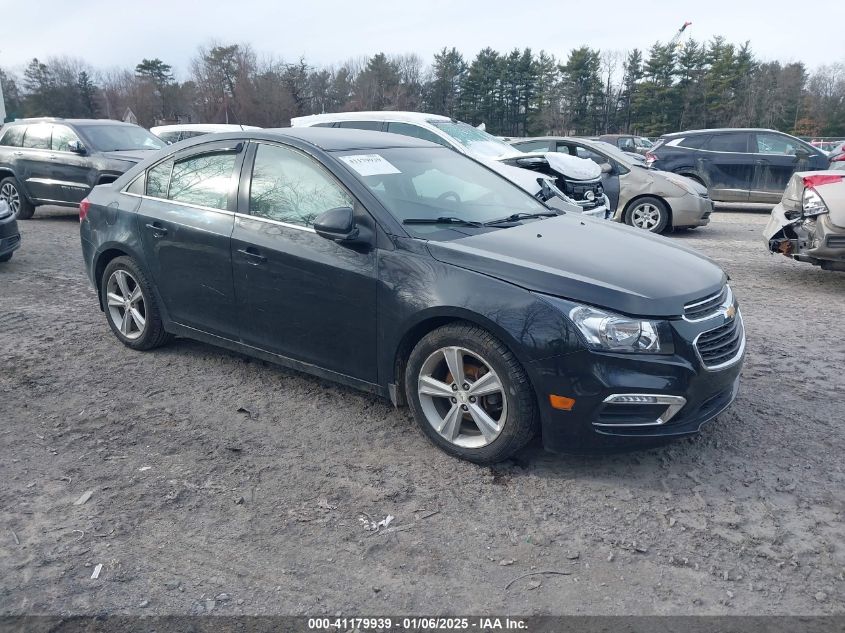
[185, 221]
[300, 295]
[71, 172]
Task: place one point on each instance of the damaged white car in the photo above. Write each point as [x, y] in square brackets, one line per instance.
[573, 185]
[808, 224]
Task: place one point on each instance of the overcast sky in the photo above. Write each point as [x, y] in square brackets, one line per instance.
[109, 33]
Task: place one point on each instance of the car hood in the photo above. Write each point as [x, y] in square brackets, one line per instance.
[596, 262]
[132, 155]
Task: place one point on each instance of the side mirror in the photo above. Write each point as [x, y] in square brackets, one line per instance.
[606, 168]
[337, 224]
[801, 153]
[76, 147]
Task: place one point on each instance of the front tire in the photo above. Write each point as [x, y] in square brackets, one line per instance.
[130, 305]
[11, 192]
[470, 395]
[6, 257]
[648, 213]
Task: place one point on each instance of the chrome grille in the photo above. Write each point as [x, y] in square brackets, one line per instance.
[705, 308]
[721, 346]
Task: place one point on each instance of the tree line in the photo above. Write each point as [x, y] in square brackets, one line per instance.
[517, 93]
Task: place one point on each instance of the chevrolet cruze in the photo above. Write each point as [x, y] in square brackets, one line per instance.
[403, 268]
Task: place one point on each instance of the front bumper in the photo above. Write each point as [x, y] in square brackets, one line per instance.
[688, 394]
[690, 210]
[10, 237]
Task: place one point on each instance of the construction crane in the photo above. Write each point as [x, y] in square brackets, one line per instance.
[675, 42]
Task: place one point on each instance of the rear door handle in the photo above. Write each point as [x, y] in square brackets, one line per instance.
[157, 229]
[253, 255]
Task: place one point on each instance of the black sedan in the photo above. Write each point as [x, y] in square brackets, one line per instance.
[405, 269]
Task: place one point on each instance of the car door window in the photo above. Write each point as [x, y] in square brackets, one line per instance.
[533, 146]
[732, 142]
[361, 125]
[38, 136]
[288, 186]
[627, 144]
[203, 180]
[408, 129]
[62, 136]
[158, 179]
[775, 144]
[13, 137]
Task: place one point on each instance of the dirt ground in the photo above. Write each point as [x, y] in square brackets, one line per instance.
[227, 485]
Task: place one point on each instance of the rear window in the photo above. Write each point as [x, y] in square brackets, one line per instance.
[362, 125]
[38, 136]
[13, 136]
[730, 142]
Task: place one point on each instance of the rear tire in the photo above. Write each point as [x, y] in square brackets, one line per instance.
[485, 416]
[648, 213]
[11, 192]
[130, 305]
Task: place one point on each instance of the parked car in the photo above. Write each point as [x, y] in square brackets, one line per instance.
[58, 161]
[408, 270]
[736, 165]
[639, 196]
[809, 223]
[627, 142]
[837, 157]
[10, 237]
[577, 183]
[174, 133]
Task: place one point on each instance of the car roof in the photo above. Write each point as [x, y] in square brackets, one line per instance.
[327, 139]
[79, 122]
[391, 115]
[203, 127]
[721, 129]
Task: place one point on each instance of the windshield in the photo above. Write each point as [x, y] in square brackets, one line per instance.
[476, 141]
[426, 184]
[613, 151]
[111, 138]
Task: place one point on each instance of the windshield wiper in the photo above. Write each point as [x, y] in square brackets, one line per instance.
[443, 220]
[516, 217]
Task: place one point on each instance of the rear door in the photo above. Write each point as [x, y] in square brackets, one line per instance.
[728, 166]
[34, 163]
[777, 156]
[71, 172]
[185, 221]
[300, 295]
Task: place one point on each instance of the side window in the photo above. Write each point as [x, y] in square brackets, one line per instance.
[158, 179]
[203, 180]
[626, 144]
[38, 136]
[729, 142]
[408, 129]
[62, 135]
[361, 125]
[13, 136]
[169, 137]
[696, 141]
[583, 152]
[191, 134]
[329, 124]
[288, 186]
[775, 144]
[533, 146]
[136, 186]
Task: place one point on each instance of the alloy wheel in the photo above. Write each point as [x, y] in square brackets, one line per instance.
[126, 305]
[10, 194]
[645, 216]
[462, 397]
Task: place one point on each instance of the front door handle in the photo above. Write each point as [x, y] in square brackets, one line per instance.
[253, 255]
[18, 153]
[157, 229]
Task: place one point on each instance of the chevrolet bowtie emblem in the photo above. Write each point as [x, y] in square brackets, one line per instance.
[730, 312]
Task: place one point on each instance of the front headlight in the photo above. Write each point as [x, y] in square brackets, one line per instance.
[812, 203]
[614, 332]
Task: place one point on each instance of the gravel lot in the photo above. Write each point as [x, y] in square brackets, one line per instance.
[197, 506]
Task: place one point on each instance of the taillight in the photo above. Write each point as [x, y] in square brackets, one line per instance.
[821, 179]
[650, 157]
[83, 209]
[838, 159]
